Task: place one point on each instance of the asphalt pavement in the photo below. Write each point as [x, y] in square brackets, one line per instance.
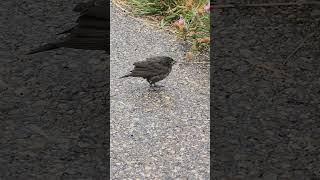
[156, 134]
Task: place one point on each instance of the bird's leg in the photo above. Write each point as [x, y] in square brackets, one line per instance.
[158, 86]
[152, 86]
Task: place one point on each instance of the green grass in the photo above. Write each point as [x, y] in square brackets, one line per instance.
[196, 27]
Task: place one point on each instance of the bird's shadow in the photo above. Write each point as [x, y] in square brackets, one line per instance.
[156, 89]
[153, 90]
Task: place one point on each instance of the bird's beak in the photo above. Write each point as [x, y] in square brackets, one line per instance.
[174, 62]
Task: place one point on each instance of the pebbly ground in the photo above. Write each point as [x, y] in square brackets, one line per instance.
[160, 134]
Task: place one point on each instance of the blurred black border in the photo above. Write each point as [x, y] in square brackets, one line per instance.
[30, 148]
[265, 90]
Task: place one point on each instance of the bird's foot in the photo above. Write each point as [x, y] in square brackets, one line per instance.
[155, 87]
[158, 86]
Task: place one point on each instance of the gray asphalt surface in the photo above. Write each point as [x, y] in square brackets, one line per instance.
[161, 134]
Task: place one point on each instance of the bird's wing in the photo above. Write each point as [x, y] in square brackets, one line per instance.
[148, 70]
[153, 66]
[143, 73]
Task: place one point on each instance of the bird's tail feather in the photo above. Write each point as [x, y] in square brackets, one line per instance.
[45, 47]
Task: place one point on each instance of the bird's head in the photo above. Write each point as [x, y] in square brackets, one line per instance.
[168, 61]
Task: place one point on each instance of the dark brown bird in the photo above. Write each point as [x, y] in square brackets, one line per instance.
[154, 69]
[91, 32]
